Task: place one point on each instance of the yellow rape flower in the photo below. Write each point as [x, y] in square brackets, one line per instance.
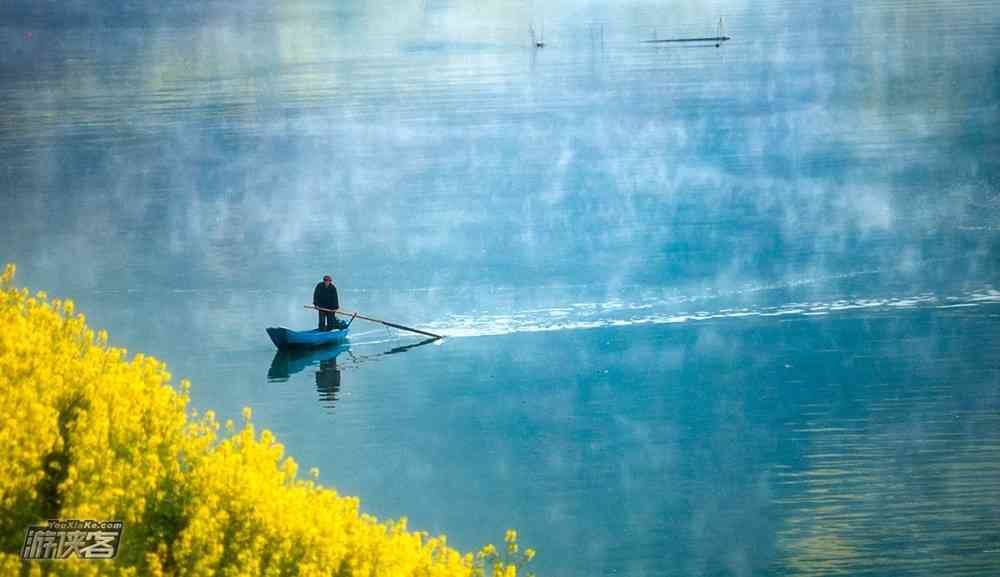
[488, 550]
[87, 433]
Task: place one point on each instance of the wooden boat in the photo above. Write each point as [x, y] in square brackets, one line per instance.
[288, 339]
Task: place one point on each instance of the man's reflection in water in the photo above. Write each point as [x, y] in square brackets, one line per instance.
[289, 362]
[328, 382]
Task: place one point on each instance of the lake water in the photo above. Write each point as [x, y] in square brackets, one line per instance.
[711, 311]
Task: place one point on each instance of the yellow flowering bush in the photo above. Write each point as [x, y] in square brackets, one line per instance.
[86, 433]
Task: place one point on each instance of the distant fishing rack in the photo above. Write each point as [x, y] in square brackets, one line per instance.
[718, 39]
[597, 29]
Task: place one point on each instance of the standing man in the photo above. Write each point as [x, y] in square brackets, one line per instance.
[325, 297]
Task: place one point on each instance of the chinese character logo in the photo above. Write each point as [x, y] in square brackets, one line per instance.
[64, 539]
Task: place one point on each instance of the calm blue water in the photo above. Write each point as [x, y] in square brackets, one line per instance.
[711, 311]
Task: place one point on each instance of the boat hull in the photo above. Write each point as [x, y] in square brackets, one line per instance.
[288, 339]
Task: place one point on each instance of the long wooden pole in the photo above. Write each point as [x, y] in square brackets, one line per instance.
[386, 323]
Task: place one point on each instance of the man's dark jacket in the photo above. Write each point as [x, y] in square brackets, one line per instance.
[326, 296]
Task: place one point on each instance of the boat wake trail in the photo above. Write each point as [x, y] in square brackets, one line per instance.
[373, 337]
[617, 313]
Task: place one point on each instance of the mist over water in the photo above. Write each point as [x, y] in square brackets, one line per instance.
[432, 148]
[733, 308]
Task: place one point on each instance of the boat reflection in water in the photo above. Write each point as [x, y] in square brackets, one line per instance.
[287, 362]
